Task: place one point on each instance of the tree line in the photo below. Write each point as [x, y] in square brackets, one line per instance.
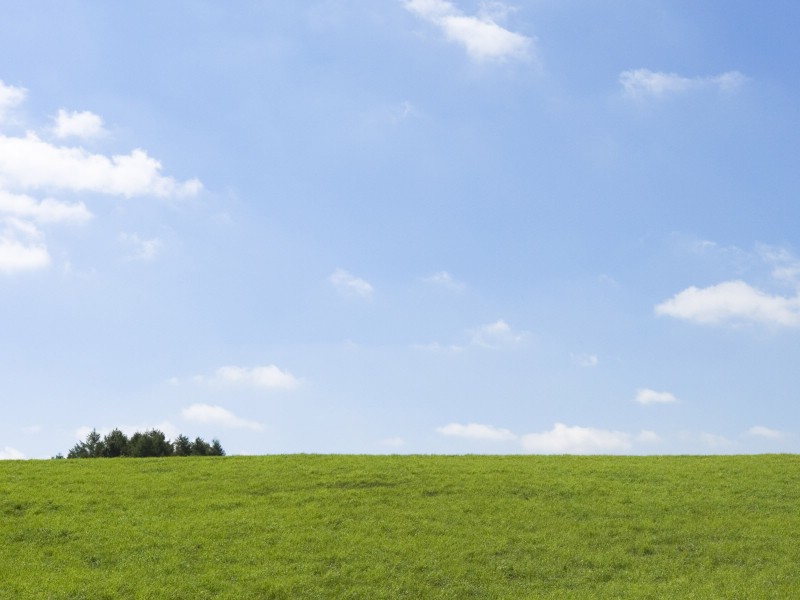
[141, 445]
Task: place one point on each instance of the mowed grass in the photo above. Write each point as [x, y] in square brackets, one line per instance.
[308, 526]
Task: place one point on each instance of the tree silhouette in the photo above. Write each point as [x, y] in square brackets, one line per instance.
[140, 445]
[182, 446]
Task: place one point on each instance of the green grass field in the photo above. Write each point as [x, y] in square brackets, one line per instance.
[307, 526]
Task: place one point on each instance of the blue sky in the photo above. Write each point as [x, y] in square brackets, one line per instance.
[411, 226]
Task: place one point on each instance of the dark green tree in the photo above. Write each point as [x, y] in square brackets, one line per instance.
[200, 447]
[115, 444]
[216, 448]
[91, 448]
[149, 443]
[78, 451]
[182, 446]
[94, 444]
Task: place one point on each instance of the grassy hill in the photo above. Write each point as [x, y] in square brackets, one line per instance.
[307, 526]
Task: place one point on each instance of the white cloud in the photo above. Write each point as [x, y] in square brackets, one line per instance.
[715, 441]
[732, 301]
[349, 284]
[31, 163]
[492, 336]
[402, 111]
[576, 440]
[21, 248]
[393, 442]
[9, 453]
[645, 396]
[44, 211]
[729, 81]
[267, 377]
[144, 249]
[480, 35]
[648, 437]
[585, 360]
[496, 335]
[641, 83]
[766, 432]
[216, 415]
[561, 439]
[389, 114]
[445, 280]
[785, 266]
[10, 97]
[476, 431]
[85, 125]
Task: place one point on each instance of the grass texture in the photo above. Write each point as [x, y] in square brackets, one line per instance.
[417, 527]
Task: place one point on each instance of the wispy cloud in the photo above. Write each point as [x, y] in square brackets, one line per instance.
[83, 125]
[445, 280]
[476, 431]
[393, 442]
[22, 244]
[10, 97]
[585, 360]
[646, 396]
[9, 453]
[21, 247]
[47, 210]
[350, 285]
[732, 302]
[492, 336]
[268, 377]
[714, 440]
[561, 439]
[784, 265]
[766, 432]
[481, 36]
[143, 249]
[496, 335]
[217, 415]
[643, 83]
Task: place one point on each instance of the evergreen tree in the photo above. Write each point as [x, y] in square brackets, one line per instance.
[149, 443]
[216, 448]
[200, 447]
[78, 451]
[115, 444]
[182, 446]
[94, 444]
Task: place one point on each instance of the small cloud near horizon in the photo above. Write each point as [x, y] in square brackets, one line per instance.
[561, 439]
[9, 453]
[766, 432]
